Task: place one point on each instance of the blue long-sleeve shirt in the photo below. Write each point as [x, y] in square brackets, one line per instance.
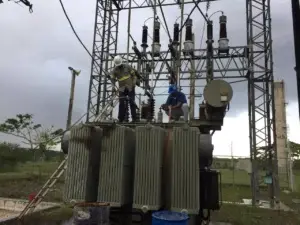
[176, 97]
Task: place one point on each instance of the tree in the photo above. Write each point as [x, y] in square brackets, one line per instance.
[47, 138]
[32, 134]
[295, 149]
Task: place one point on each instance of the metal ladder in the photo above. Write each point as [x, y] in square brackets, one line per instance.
[108, 108]
[29, 208]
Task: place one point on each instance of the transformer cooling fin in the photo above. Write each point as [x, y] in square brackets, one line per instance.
[185, 174]
[117, 166]
[148, 168]
[77, 166]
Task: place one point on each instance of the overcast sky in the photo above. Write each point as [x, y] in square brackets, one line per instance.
[37, 48]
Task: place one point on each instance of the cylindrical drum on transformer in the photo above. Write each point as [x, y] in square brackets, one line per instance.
[218, 93]
[65, 142]
[205, 150]
[91, 213]
[205, 145]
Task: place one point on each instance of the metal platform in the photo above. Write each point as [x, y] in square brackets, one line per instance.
[209, 125]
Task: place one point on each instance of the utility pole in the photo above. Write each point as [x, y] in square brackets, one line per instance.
[71, 100]
[232, 165]
[296, 26]
[192, 86]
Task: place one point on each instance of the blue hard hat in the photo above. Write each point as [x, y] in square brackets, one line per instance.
[172, 88]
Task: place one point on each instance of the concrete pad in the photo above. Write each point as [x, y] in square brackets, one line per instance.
[267, 205]
[6, 214]
[219, 223]
[10, 208]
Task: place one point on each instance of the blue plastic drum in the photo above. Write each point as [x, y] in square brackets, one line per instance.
[169, 218]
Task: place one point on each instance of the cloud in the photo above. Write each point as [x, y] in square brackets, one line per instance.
[236, 132]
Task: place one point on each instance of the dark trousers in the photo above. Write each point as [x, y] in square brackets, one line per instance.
[122, 104]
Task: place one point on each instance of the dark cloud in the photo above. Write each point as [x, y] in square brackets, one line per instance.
[37, 48]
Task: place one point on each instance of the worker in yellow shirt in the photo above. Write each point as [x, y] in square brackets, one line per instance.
[128, 78]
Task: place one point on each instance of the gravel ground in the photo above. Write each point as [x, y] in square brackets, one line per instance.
[6, 213]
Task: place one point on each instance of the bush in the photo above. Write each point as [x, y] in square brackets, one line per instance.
[11, 155]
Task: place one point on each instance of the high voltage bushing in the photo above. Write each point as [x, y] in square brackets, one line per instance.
[189, 43]
[223, 41]
[144, 44]
[176, 33]
[156, 39]
[209, 30]
[210, 40]
[188, 30]
[175, 43]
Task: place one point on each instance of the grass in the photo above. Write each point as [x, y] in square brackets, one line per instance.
[30, 177]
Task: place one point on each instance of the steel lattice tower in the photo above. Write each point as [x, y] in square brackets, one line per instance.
[253, 62]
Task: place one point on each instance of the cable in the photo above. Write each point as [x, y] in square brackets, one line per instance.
[78, 38]
[163, 15]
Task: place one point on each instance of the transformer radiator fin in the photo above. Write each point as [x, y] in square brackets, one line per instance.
[150, 141]
[117, 166]
[77, 165]
[185, 174]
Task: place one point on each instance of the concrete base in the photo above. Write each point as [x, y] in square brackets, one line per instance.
[10, 208]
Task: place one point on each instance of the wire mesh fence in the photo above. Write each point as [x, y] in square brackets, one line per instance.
[236, 170]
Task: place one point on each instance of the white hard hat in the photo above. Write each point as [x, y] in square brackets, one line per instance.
[118, 60]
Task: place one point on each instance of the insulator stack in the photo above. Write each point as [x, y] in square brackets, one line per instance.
[151, 103]
[176, 33]
[223, 27]
[156, 38]
[148, 68]
[145, 37]
[126, 110]
[144, 111]
[188, 45]
[223, 41]
[209, 30]
[138, 115]
[188, 31]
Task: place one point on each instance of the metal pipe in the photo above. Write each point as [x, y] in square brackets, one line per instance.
[192, 86]
[180, 46]
[153, 35]
[128, 30]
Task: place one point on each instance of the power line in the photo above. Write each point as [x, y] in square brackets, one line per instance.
[73, 29]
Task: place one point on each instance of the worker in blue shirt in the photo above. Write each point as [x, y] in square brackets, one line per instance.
[176, 104]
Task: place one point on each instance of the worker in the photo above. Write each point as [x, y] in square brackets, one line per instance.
[176, 104]
[127, 78]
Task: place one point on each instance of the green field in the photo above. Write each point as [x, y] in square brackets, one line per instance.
[30, 177]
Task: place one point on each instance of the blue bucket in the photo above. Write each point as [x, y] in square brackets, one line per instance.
[169, 218]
